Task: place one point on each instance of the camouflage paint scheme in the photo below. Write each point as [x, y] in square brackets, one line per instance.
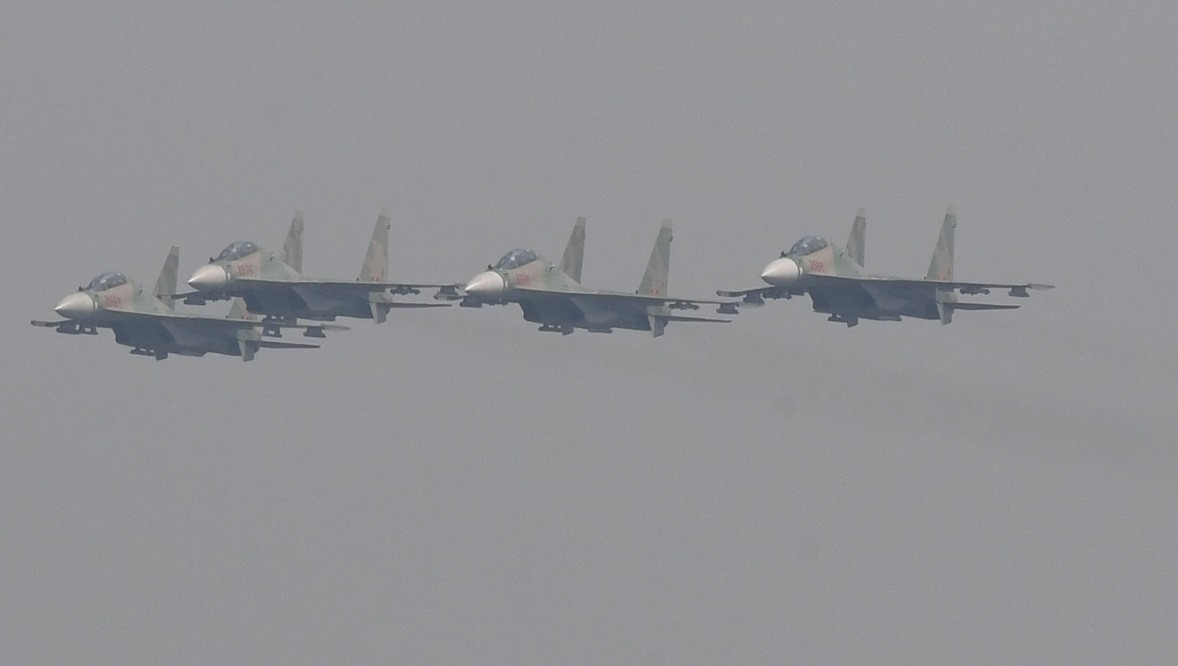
[552, 295]
[148, 323]
[274, 286]
[837, 284]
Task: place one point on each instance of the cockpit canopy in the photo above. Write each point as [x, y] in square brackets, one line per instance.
[514, 259]
[808, 245]
[237, 250]
[106, 281]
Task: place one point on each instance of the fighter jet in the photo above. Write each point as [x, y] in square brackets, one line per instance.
[150, 326]
[275, 287]
[551, 295]
[838, 286]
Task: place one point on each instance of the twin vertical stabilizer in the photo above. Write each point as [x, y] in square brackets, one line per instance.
[292, 249]
[574, 252]
[857, 241]
[376, 262]
[941, 267]
[165, 284]
[654, 282]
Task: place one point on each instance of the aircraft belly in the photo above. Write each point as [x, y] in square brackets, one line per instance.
[558, 312]
[158, 336]
[148, 335]
[594, 314]
[600, 316]
[186, 336]
[319, 304]
[890, 300]
[274, 302]
[887, 302]
[844, 301]
[197, 340]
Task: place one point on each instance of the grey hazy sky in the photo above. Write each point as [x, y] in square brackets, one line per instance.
[454, 487]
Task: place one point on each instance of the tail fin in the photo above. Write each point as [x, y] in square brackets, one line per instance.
[376, 262]
[574, 252]
[165, 285]
[941, 267]
[654, 282]
[292, 249]
[857, 241]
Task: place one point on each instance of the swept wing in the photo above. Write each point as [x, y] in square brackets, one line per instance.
[820, 280]
[622, 301]
[202, 324]
[895, 285]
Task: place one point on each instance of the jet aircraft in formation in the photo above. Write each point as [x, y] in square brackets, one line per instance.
[552, 295]
[150, 326]
[274, 286]
[262, 283]
[838, 286]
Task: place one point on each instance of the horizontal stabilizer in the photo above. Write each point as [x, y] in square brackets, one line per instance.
[980, 306]
[419, 305]
[695, 319]
[272, 344]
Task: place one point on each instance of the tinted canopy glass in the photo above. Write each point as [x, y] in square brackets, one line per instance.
[808, 245]
[237, 250]
[514, 259]
[106, 281]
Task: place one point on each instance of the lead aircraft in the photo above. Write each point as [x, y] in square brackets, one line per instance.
[552, 295]
[150, 326]
[275, 287]
[838, 286]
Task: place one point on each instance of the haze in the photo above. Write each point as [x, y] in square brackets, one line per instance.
[455, 487]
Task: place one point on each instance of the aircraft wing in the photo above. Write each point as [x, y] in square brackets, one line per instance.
[273, 344]
[329, 288]
[208, 323]
[620, 300]
[337, 286]
[1020, 290]
[758, 296]
[50, 324]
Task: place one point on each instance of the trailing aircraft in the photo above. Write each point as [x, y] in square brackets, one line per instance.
[838, 285]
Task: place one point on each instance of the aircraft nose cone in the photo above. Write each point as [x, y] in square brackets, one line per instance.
[781, 272]
[208, 277]
[77, 305]
[486, 284]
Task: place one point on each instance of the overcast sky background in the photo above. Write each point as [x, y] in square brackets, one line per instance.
[455, 487]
